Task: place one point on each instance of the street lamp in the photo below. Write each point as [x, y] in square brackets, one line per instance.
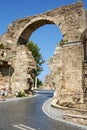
[36, 82]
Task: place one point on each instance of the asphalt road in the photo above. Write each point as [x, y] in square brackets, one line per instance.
[27, 114]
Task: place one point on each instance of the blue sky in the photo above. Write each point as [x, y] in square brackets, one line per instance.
[47, 36]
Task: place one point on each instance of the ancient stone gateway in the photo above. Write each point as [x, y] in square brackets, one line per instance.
[71, 20]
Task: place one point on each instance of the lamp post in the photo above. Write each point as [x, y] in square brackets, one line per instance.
[36, 82]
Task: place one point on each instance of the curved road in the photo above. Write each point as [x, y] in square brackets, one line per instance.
[27, 114]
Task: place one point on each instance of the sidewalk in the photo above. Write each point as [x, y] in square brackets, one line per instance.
[51, 111]
[15, 98]
[58, 113]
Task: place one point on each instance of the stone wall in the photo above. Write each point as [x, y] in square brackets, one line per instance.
[6, 67]
[86, 18]
[55, 65]
[72, 64]
[24, 65]
[68, 64]
[16, 68]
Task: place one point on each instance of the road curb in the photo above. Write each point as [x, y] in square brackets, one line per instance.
[55, 105]
[16, 99]
[50, 112]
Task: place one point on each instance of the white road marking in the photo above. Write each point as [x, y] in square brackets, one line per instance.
[23, 127]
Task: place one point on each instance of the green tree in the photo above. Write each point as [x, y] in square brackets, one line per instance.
[37, 57]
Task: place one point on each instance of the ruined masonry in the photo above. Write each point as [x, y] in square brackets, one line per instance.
[68, 66]
[16, 67]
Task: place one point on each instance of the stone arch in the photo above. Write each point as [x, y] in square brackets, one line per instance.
[33, 25]
[71, 19]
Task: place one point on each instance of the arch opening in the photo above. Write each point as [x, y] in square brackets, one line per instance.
[47, 38]
[50, 31]
[27, 32]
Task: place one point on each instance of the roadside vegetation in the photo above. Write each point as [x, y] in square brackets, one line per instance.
[35, 50]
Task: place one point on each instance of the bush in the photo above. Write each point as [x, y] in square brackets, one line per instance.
[1, 46]
[21, 94]
[63, 41]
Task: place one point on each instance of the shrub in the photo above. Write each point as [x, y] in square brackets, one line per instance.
[21, 94]
[1, 46]
[63, 41]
